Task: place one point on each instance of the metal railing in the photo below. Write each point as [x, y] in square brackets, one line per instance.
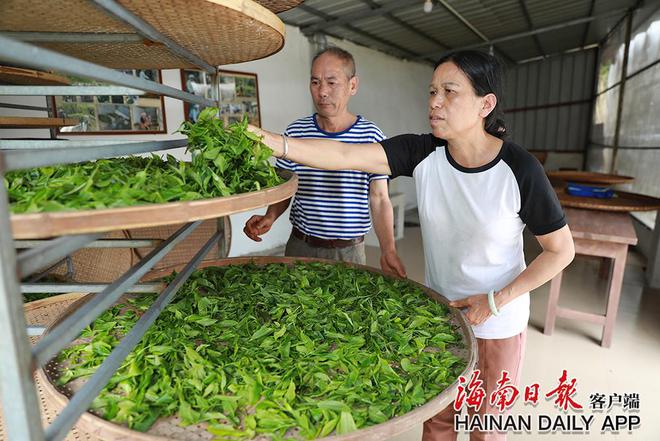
[18, 360]
[54, 288]
[84, 397]
[71, 327]
[21, 159]
[25, 54]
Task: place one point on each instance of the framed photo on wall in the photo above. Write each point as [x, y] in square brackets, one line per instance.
[238, 92]
[113, 114]
[197, 82]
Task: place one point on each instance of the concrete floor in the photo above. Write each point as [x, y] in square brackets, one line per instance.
[631, 365]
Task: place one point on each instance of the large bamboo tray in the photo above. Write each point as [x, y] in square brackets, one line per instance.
[169, 429]
[44, 312]
[218, 31]
[278, 6]
[41, 225]
[622, 201]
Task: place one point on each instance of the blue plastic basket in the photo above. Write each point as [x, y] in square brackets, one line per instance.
[589, 191]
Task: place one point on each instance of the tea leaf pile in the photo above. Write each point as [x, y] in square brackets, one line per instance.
[295, 352]
[225, 161]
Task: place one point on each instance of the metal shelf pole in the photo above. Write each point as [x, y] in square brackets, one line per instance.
[53, 288]
[72, 37]
[71, 327]
[35, 330]
[101, 243]
[53, 251]
[19, 396]
[25, 158]
[49, 144]
[21, 106]
[67, 90]
[46, 288]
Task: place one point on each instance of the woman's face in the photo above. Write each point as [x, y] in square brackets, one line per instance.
[454, 108]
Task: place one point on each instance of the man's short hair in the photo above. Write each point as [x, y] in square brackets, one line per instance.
[343, 55]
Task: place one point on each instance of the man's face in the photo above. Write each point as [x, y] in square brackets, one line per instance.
[330, 86]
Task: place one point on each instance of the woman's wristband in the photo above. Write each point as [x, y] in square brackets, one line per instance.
[491, 303]
[285, 144]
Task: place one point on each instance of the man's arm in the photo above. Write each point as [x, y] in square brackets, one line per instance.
[259, 225]
[383, 219]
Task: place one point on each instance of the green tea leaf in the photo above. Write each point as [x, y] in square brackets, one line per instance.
[346, 424]
[333, 405]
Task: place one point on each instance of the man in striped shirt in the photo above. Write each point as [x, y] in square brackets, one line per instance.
[330, 211]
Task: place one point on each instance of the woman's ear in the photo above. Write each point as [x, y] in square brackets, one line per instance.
[489, 101]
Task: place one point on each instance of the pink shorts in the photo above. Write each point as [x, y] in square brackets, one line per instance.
[495, 356]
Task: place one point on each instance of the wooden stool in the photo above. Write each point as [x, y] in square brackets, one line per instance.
[601, 234]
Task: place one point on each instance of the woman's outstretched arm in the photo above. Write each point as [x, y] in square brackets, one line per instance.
[327, 154]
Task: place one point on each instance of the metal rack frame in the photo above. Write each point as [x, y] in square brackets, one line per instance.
[19, 360]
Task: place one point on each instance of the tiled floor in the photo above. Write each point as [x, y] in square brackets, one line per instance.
[631, 365]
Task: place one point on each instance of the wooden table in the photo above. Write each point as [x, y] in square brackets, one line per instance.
[602, 234]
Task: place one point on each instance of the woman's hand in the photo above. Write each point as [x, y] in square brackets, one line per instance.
[478, 310]
[255, 130]
[272, 140]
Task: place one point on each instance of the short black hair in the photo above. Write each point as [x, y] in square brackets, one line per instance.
[485, 74]
[345, 56]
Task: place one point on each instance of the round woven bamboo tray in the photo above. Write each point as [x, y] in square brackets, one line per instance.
[278, 6]
[44, 312]
[105, 265]
[622, 201]
[39, 225]
[169, 429]
[218, 31]
[589, 177]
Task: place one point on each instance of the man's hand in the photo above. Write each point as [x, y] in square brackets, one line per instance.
[390, 263]
[478, 310]
[257, 226]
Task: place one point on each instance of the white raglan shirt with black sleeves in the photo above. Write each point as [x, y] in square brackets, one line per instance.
[472, 220]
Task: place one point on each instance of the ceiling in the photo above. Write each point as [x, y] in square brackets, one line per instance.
[518, 30]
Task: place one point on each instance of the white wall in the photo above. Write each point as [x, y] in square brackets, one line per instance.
[392, 93]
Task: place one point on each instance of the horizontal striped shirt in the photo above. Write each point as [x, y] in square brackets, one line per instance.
[332, 204]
